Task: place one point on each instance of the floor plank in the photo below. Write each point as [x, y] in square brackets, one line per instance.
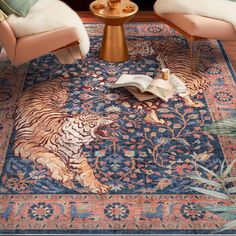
[149, 16]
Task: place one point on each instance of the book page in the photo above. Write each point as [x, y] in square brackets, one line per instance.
[140, 81]
[161, 88]
[139, 95]
[158, 82]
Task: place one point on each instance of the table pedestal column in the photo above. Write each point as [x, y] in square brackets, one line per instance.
[114, 47]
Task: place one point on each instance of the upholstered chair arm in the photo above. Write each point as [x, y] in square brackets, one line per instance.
[8, 40]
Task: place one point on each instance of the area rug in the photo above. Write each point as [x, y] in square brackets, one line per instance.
[80, 157]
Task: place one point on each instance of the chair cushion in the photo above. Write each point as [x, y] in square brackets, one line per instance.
[19, 7]
[201, 26]
[3, 16]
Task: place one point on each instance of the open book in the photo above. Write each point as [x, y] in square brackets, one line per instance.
[143, 87]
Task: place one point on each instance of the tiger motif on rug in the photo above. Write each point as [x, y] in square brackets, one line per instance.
[48, 135]
[171, 54]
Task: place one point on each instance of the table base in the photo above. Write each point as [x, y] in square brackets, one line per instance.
[114, 47]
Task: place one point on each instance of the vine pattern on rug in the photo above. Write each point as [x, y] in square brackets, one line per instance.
[143, 155]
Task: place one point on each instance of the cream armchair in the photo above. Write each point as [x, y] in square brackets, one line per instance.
[197, 27]
[47, 27]
[21, 50]
[64, 42]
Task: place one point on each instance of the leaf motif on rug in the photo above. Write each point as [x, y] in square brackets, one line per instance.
[146, 155]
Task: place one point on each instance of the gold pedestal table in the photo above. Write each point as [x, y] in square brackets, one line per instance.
[114, 47]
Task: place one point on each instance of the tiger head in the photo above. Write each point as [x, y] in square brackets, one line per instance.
[97, 126]
[84, 127]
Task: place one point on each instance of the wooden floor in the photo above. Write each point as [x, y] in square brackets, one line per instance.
[230, 46]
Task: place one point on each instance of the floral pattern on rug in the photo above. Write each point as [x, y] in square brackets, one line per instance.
[152, 147]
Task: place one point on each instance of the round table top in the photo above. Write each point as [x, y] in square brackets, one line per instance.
[118, 13]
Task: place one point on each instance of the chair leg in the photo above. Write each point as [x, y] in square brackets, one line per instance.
[191, 52]
[163, 28]
[55, 69]
[80, 52]
[75, 58]
[164, 31]
[194, 57]
[199, 51]
[6, 70]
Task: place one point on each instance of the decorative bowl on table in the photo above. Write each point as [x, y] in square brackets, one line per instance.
[113, 4]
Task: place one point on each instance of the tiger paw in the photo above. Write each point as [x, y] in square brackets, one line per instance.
[98, 187]
[197, 104]
[93, 186]
[189, 102]
[62, 175]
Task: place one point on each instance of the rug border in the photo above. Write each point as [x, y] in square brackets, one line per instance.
[113, 232]
[124, 232]
[226, 57]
